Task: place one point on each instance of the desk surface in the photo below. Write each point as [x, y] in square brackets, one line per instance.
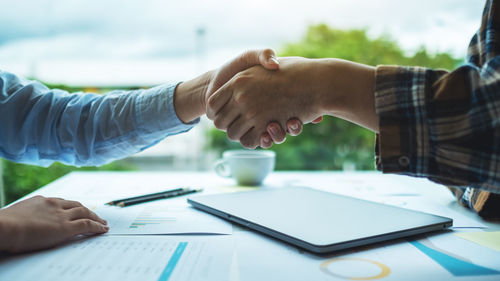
[255, 257]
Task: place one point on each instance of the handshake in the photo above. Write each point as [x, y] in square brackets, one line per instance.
[257, 98]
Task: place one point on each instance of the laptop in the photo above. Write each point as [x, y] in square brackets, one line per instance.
[317, 221]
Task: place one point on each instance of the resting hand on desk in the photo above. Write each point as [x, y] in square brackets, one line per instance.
[39, 222]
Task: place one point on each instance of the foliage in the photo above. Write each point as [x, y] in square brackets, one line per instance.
[21, 179]
[336, 144]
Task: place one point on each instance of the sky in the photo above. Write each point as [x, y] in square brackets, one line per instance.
[144, 42]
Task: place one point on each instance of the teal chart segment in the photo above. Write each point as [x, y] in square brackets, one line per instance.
[167, 272]
[454, 265]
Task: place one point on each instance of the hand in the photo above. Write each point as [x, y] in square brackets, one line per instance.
[39, 222]
[266, 58]
[274, 132]
[254, 97]
[301, 88]
[204, 86]
[191, 97]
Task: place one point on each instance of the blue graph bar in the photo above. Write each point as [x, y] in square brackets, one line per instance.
[167, 272]
[453, 265]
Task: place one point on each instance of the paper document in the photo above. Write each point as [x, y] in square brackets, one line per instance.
[435, 257]
[161, 217]
[122, 258]
[490, 239]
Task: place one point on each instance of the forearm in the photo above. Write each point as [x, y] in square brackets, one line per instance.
[346, 90]
[7, 233]
[43, 125]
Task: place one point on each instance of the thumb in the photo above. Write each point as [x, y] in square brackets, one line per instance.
[264, 57]
[267, 58]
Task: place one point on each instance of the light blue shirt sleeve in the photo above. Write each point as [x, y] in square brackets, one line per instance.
[40, 125]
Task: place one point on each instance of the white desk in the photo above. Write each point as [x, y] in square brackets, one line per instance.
[255, 257]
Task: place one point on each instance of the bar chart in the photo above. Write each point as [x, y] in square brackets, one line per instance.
[155, 219]
[148, 218]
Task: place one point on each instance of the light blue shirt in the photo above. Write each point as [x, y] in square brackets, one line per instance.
[40, 125]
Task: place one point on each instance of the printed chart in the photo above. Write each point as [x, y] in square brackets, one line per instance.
[453, 263]
[168, 258]
[161, 219]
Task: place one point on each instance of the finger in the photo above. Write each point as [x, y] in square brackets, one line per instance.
[317, 120]
[218, 100]
[276, 132]
[264, 57]
[225, 117]
[87, 226]
[267, 58]
[294, 126]
[69, 204]
[265, 140]
[251, 139]
[238, 128]
[84, 213]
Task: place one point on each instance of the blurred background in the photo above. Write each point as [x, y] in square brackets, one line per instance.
[98, 46]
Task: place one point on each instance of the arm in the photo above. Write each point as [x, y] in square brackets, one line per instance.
[44, 125]
[432, 123]
[39, 222]
[302, 88]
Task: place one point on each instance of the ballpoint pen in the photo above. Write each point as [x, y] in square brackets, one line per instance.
[154, 196]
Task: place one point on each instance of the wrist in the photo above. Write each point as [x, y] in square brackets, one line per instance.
[347, 91]
[189, 97]
[7, 233]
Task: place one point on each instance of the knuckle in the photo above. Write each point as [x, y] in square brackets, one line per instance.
[84, 211]
[241, 98]
[85, 223]
[247, 142]
[218, 123]
[268, 51]
[211, 102]
[240, 79]
[67, 227]
[231, 134]
[251, 113]
[51, 201]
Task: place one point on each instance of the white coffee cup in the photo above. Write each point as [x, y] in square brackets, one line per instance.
[247, 167]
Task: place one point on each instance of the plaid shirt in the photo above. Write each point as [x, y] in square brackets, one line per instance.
[446, 125]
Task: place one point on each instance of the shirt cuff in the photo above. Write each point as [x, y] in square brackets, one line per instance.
[156, 112]
[402, 145]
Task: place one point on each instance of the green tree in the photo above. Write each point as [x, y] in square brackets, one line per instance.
[21, 179]
[336, 144]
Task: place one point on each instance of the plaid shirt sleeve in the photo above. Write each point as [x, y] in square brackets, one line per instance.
[446, 125]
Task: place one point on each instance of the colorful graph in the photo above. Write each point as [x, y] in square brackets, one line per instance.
[456, 265]
[384, 269]
[150, 218]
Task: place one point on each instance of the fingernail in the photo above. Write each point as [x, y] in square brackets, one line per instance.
[274, 130]
[266, 139]
[274, 60]
[105, 222]
[294, 127]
